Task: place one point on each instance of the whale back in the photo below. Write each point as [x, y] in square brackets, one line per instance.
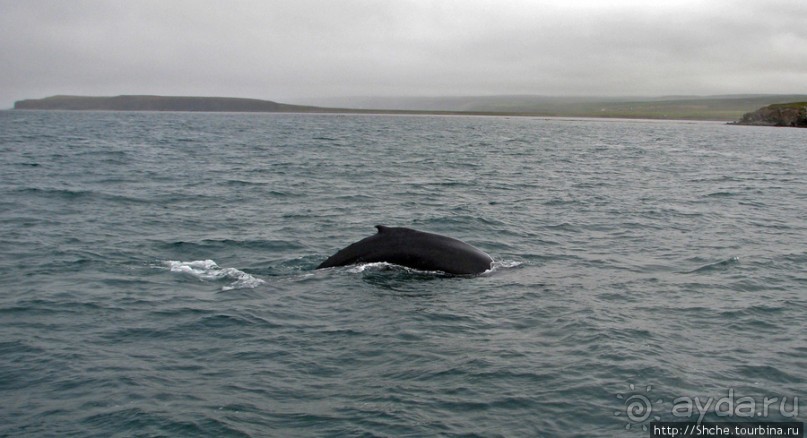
[413, 249]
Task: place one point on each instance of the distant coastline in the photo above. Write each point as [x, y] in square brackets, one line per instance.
[156, 103]
[190, 104]
[729, 108]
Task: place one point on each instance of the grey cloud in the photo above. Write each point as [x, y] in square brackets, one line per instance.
[285, 50]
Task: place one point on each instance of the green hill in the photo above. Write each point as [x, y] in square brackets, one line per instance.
[721, 107]
[157, 103]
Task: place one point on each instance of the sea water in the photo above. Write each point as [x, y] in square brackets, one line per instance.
[157, 275]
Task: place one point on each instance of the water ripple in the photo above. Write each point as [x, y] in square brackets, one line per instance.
[159, 280]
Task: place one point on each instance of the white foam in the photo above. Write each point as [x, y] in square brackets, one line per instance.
[507, 264]
[208, 270]
[503, 264]
[357, 269]
[380, 266]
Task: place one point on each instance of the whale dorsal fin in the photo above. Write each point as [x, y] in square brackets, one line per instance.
[382, 229]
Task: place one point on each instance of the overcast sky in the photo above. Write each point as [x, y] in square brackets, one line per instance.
[296, 49]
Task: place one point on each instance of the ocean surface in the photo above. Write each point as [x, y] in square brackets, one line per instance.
[157, 275]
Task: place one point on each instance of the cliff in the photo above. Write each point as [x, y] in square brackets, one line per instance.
[157, 103]
[784, 114]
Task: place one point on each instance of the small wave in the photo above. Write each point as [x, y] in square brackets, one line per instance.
[208, 270]
[717, 266]
[560, 201]
[565, 226]
[720, 194]
[56, 193]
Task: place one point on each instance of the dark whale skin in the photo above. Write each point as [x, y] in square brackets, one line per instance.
[413, 249]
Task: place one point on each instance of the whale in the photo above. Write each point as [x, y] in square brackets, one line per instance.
[413, 249]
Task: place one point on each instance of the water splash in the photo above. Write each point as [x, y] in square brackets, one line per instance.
[208, 270]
